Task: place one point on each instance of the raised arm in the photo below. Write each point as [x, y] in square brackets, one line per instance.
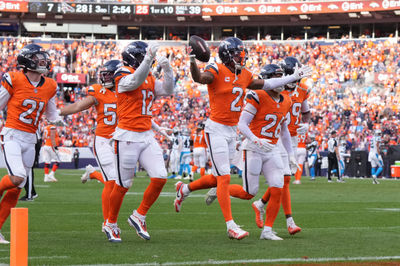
[197, 75]
[165, 87]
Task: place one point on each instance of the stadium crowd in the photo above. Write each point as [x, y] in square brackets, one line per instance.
[344, 95]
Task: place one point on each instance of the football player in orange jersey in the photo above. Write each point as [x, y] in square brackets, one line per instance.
[298, 112]
[226, 88]
[301, 154]
[199, 150]
[49, 150]
[103, 97]
[133, 138]
[263, 123]
[27, 95]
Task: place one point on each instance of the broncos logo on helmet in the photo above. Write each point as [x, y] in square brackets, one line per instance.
[231, 51]
[134, 54]
[33, 57]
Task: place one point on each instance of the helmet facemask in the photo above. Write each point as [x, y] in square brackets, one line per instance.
[239, 58]
[40, 62]
[106, 79]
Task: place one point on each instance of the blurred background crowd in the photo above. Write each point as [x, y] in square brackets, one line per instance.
[355, 87]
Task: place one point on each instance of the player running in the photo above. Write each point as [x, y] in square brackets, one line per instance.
[226, 88]
[103, 97]
[133, 138]
[299, 112]
[49, 150]
[27, 95]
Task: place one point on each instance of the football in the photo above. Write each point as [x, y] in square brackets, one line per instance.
[199, 48]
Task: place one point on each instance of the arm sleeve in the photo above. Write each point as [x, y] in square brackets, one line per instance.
[273, 83]
[304, 107]
[243, 125]
[133, 81]
[4, 97]
[165, 87]
[155, 126]
[51, 111]
[286, 140]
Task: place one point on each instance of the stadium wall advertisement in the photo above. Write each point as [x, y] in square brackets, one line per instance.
[71, 78]
[244, 9]
[14, 6]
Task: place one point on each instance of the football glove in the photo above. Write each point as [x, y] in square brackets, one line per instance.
[293, 164]
[302, 72]
[264, 144]
[163, 62]
[152, 49]
[303, 128]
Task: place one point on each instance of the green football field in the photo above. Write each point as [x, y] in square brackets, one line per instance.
[351, 222]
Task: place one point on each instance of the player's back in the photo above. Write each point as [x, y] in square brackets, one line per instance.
[226, 93]
[47, 135]
[106, 108]
[199, 140]
[185, 143]
[135, 105]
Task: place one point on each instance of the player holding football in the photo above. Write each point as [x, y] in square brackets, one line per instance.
[49, 149]
[226, 88]
[27, 95]
[133, 138]
[104, 98]
[299, 111]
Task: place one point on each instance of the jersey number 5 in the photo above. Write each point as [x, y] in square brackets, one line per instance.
[110, 115]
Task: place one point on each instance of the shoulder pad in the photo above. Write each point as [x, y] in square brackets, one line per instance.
[252, 95]
[7, 78]
[213, 66]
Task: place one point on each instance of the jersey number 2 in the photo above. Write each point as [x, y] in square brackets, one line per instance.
[239, 92]
[33, 105]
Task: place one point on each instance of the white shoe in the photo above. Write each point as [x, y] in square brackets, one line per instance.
[48, 178]
[186, 178]
[112, 232]
[51, 175]
[139, 225]
[178, 177]
[103, 224]
[180, 196]
[86, 176]
[258, 208]
[269, 235]
[236, 232]
[375, 180]
[3, 240]
[296, 182]
[211, 195]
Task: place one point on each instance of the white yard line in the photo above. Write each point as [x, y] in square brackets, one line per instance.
[280, 260]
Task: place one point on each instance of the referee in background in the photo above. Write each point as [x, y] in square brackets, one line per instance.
[333, 155]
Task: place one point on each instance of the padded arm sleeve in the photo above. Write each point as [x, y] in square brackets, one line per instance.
[133, 81]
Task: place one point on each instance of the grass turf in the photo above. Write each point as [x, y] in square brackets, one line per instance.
[354, 219]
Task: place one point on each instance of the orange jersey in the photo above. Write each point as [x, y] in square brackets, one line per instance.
[301, 140]
[298, 96]
[27, 103]
[267, 122]
[134, 108]
[199, 140]
[47, 135]
[226, 93]
[106, 108]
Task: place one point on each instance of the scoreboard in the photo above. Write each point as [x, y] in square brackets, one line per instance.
[114, 9]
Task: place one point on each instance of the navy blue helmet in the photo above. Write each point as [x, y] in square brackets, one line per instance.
[34, 58]
[134, 54]
[271, 71]
[106, 75]
[231, 50]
